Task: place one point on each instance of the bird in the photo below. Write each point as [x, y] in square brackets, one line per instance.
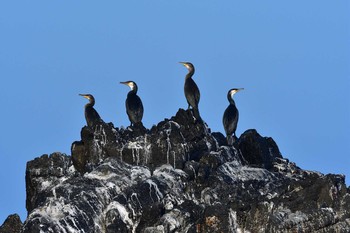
[191, 90]
[133, 104]
[230, 117]
[91, 115]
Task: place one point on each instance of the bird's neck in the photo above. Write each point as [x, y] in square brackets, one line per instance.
[190, 74]
[134, 89]
[90, 104]
[230, 99]
[132, 92]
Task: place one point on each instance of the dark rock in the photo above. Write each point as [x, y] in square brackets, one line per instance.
[179, 177]
[40, 172]
[96, 144]
[173, 141]
[220, 138]
[257, 150]
[79, 159]
[12, 224]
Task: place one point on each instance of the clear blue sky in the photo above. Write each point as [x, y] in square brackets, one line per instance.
[292, 58]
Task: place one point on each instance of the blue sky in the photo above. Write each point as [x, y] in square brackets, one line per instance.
[292, 58]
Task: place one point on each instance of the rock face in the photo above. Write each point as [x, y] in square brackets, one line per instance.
[12, 224]
[179, 177]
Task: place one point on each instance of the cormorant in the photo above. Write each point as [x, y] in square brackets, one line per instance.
[133, 103]
[91, 115]
[192, 93]
[230, 118]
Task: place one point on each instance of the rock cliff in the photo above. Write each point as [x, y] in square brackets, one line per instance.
[178, 176]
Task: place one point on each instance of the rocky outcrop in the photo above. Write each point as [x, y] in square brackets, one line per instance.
[178, 176]
[173, 141]
[12, 224]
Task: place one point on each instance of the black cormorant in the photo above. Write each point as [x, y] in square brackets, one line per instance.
[133, 103]
[230, 118]
[192, 93]
[91, 115]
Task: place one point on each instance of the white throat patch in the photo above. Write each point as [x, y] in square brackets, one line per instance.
[131, 85]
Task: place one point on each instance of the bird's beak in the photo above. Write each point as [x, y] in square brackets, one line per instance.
[184, 64]
[238, 89]
[84, 95]
[125, 83]
[129, 84]
[234, 91]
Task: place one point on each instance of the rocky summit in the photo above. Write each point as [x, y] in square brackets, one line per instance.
[178, 176]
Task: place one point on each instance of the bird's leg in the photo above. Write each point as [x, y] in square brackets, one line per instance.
[188, 108]
[234, 138]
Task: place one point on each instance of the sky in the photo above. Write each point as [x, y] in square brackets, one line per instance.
[292, 58]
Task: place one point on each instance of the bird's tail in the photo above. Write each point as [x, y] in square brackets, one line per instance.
[231, 139]
[196, 114]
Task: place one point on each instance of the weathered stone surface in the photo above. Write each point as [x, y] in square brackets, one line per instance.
[42, 171]
[12, 224]
[258, 151]
[95, 145]
[173, 141]
[179, 177]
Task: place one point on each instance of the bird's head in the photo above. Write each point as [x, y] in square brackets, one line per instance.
[233, 91]
[131, 84]
[90, 98]
[188, 65]
[87, 96]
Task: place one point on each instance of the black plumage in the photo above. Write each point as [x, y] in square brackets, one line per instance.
[91, 115]
[191, 90]
[230, 117]
[133, 104]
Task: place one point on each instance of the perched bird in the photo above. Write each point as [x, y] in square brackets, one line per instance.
[133, 103]
[192, 93]
[230, 118]
[91, 115]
